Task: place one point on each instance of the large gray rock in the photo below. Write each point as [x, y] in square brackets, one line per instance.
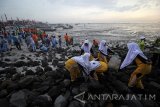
[3, 93]
[54, 92]
[60, 101]
[42, 101]
[27, 81]
[4, 103]
[18, 99]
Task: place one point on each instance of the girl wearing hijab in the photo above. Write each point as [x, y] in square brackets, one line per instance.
[143, 65]
[87, 48]
[103, 51]
[81, 63]
[78, 63]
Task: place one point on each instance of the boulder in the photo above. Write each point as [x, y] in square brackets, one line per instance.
[47, 68]
[54, 92]
[26, 81]
[29, 72]
[20, 64]
[42, 101]
[60, 101]
[4, 102]
[3, 93]
[18, 99]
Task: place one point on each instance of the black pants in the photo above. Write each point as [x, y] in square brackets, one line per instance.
[18, 45]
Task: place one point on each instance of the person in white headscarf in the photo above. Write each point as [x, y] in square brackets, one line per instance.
[81, 64]
[103, 52]
[143, 65]
[86, 47]
[75, 64]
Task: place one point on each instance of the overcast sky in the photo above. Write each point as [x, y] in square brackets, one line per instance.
[83, 11]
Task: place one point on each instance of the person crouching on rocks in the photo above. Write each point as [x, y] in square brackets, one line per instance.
[87, 48]
[143, 65]
[43, 48]
[32, 44]
[79, 64]
[103, 52]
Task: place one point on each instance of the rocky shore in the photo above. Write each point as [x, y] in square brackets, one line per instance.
[40, 80]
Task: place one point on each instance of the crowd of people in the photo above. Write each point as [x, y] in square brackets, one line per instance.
[34, 40]
[91, 63]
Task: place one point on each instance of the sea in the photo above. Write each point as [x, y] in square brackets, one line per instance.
[111, 31]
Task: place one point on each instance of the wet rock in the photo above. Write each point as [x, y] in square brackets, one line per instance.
[5, 84]
[155, 85]
[84, 87]
[134, 103]
[33, 63]
[60, 101]
[16, 77]
[75, 91]
[39, 70]
[18, 99]
[76, 104]
[55, 75]
[10, 70]
[4, 64]
[29, 72]
[4, 102]
[66, 82]
[55, 62]
[47, 68]
[54, 92]
[121, 87]
[12, 87]
[27, 81]
[149, 103]
[3, 93]
[95, 86]
[22, 58]
[7, 59]
[44, 63]
[20, 64]
[42, 101]
[42, 89]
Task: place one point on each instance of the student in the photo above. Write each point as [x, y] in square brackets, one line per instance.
[141, 43]
[81, 64]
[76, 64]
[103, 52]
[143, 65]
[54, 42]
[95, 43]
[32, 44]
[3, 44]
[87, 48]
[16, 41]
[43, 48]
[66, 37]
[60, 41]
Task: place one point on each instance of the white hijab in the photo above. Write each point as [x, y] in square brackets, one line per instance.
[133, 51]
[103, 48]
[83, 60]
[94, 65]
[86, 48]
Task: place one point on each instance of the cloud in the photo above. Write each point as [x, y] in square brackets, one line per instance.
[81, 10]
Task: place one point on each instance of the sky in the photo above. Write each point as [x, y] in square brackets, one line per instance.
[83, 11]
